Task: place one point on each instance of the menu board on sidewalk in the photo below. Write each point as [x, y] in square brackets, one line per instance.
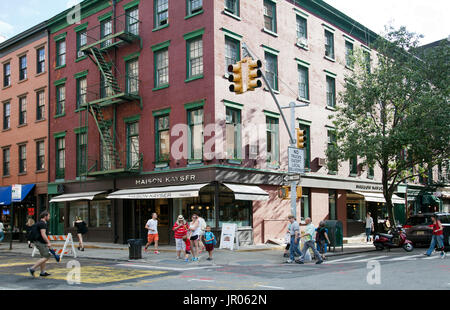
[228, 236]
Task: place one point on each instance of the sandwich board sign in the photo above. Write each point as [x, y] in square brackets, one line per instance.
[229, 236]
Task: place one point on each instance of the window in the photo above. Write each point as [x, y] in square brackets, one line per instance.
[6, 115]
[232, 52]
[331, 91]
[303, 82]
[233, 133]
[60, 99]
[329, 44]
[133, 145]
[307, 144]
[162, 138]
[232, 6]
[6, 162]
[194, 6]
[195, 121]
[81, 153]
[106, 30]
[61, 53]
[161, 13]
[81, 42]
[349, 61]
[6, 75]
[81, 92]
[133, 20]
[162, 67]
[272, 70]
[332, 162]
[301, 29]
[40, 60]
[370, 172]
[40, 155]
[270, 16]
[100, 213]
[22, 158]
[367, 61]
[22, 110]
[354, 166]
[23, 68]
[195, 58]
[332, 199]
[60, 158]
[273, 150]
[40, 105]
[305, 204]
[133, 76]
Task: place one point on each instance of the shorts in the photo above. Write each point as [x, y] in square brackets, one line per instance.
[152, 238]
[188, 252]
[209, 247]
[43, 249]
[180, 245]
[194, 237]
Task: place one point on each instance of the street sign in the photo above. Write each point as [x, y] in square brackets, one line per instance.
[296, 160]
[16, 193]
[291, 178]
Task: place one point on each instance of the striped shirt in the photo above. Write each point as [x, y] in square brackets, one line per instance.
[179, 233]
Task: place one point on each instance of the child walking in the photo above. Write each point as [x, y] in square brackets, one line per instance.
[210, 241]
[187, 243]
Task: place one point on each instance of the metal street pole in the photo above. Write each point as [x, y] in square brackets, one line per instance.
[293, 144]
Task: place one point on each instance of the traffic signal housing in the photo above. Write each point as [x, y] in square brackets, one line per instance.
[254, 73]
[236, 78]
[284, 192]
[300, 138]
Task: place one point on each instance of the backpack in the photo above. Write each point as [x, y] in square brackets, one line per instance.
[34, 233]
[202, 224]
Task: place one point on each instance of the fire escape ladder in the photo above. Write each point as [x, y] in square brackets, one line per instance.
[105, 70]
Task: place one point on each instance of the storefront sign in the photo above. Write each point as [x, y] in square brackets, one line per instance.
[368, 187]
[228, 236]
[16, 193]
[166, 180]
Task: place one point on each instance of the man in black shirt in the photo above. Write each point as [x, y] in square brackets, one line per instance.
[42, 244]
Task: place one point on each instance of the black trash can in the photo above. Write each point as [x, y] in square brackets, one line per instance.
[335, 234]
[135, 248]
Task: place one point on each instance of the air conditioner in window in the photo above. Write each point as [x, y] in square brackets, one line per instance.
[80, 54]
[302, 41]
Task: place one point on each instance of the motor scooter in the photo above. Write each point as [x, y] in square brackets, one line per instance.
[396, 239]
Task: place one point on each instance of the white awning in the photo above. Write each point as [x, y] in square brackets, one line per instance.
[247, 192]
[167, 192]
[378, 197]
[76, 196]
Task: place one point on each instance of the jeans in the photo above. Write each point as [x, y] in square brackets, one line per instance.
[322, 246]
[310, 244]
[294, 249]
[436, 239]
[2, 236]
[368, 231]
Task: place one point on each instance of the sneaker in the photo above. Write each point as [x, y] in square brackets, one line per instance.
[44, 274]
[300, 262]
[443, 254]
[286, 255]
[426, 254]
[289, 261]
[145, 250]
[82, 249]
[319, 262]
[186, 260]
[209, 258]
[156, 252]
[31, 271]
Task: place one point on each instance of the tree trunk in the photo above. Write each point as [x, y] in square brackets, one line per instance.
[388, 196]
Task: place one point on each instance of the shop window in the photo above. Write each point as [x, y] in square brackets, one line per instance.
[332, 200]
[233, 211]
[305, 204]
[100, 213]
[79, 208]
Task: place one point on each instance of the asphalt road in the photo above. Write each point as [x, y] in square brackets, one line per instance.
[366, 271]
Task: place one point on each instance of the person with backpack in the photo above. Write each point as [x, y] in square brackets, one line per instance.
[81, 230]
[322, 239]
[28, 226]
[39, 232]
[210, 241]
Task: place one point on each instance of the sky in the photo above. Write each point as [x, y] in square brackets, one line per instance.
[417, 15]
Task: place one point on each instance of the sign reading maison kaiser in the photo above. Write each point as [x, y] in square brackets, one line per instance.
[166, 180]
[369, 187]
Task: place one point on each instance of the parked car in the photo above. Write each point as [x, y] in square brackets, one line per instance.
[418, 226]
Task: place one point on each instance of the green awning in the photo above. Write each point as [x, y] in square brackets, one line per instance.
[430, 200]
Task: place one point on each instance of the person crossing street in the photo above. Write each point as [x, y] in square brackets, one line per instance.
[295, 238]
[309, 243]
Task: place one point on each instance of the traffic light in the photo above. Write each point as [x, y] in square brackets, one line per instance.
[253, 74]
[300, 138]
[236, 78]
[284, 192]
[299, 192]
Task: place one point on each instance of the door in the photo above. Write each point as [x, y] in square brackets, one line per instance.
[144, 210]
[162, 209]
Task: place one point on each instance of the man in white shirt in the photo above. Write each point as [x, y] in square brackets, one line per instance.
[369, 226]
[152, 226]
[309, 242]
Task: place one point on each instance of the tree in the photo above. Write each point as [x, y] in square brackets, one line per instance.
[397, 114]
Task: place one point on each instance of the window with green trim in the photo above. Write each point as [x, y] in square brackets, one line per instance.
[270, 16]
[81, 91]
[161, 13]
[233, 133]
[22, 158]
[332, 201]
[332, 162]
[22, 110]
[194, 6]
[132, 68]
[162, 67]
[133, 145]
[81, 42]
[132, 19]
[272, 70]
[162, 141]
[273, 143]
[232, 52]
[195, 123]
[22, 68]
[6, 74]
[302, 29]
[61, 53]
[40, 60]
[106, 30]
[40, 155]
[195, 57]
[307, 144]
[303, 82]
[232, 6]
[81, 140]
[60, 158]
[353, 166]
[60, 99]
[331, 91]
[370, 172]
[349, 61]
[6, 162]
[329, 44]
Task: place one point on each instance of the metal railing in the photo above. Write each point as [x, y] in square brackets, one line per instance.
[127, 88]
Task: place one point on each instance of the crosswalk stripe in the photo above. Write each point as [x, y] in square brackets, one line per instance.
[409, 257]
[344, 259]
[167, 268]
[369, 259]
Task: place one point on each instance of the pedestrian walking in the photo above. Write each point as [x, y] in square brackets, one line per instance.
[187, 247]
[152, 236]
[369, 226]
[180, 229]
[295, 238]
[387, 225]
[194, 228]
[28, 225]
[437, 238]
[82, 229]
[210, 241]
[287, 240]
[2, 234]
[322, 239]
[39, 237]
[202, 224]
[308, 236]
